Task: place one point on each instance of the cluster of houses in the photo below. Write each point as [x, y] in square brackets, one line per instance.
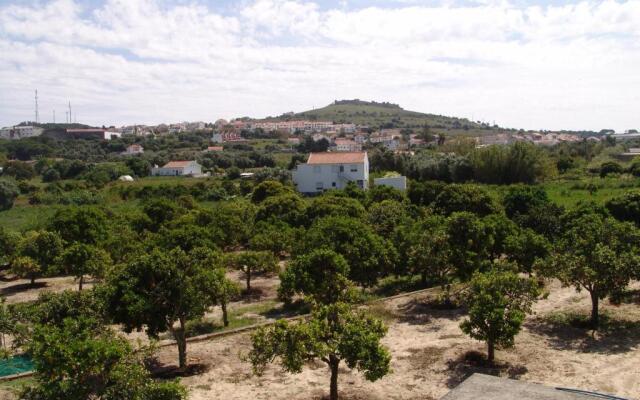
[539, 138]
[19, 132]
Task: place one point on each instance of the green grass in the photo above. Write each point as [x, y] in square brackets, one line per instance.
[569, 193]
[17, 384]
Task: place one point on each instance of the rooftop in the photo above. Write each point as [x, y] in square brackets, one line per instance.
[177, 164]
[487, 387]
[337, 158]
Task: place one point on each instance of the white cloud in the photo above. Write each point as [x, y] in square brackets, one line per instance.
[572, 66]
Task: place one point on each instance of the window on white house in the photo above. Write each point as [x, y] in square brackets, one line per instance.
[333, 184]
[354, 168]
[319, 186]
[342, 168]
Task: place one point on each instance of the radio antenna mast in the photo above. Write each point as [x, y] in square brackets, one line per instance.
[37, 116]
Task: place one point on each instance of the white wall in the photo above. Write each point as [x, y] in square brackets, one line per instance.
[397, 182]
[309, 178]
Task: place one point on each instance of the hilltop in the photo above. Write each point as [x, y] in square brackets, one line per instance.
[389, 115]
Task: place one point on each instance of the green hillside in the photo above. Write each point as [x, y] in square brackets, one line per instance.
[387, 115]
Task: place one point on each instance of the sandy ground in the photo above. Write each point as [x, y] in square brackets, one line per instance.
[16, 290]
[428, 357]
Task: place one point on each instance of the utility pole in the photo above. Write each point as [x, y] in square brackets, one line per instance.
[70, 112]
[37, 116]
[54, 116]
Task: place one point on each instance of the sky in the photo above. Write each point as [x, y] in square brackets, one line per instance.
[524, 64]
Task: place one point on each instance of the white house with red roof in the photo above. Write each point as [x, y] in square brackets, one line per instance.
[333, 170]
[347, 145]
[178, 168]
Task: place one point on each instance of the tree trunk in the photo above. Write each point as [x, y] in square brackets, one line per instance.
[225, 315]
[423, 278]
[595, 315]
[334, 362]
[248, 274]
[491, 351]
[181, 340]
[81, 281]
[33, 280]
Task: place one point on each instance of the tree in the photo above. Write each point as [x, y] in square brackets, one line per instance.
[79, 360]
[428, 252]
[52, 308]
[386, 215]
[251, 262]
[276, 237]
[288, 208]
[525, 248]
[39, 250]
[520, 162]
[498, 302]
[521, 199]
[268, 189]
[85, 224]
[334, 333]
[160, 210]
[19, 170]
[330, 204]
[156, 290]
[369, 256]
[81, 259]
[625, 207]
[471, 198]
[8, 244]
[321, 275]
[470, 242]
[610, 167]
[8, 193]
[598, 254]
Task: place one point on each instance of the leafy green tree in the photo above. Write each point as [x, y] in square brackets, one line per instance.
[139, 166]
[332, 205]
[333, 334]
[52, 308]
[222, 289]
[321, 275]
[252, 262]
[597, 254]
[81, 259]
[522, 199]
[39, 250]
[8, 193]
[429, 252]
[51, 175]
[465, 197]
[369, 256]
[186, 236]
[526, 248]
[85, 224]
[8, 244]
[424, 193]
[274, 236]
[610, 167]
[521, 162]
[470, 242]
[625, 207]
[380, 193]
[498, 302]
[77, 360]
[158, 290]
[19, 170]
[268, 189]
[160, 210]
[386, 216]
[289, 208]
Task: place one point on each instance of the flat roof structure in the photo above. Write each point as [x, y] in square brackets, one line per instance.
[487, 387]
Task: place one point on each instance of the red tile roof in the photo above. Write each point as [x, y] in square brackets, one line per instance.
[177, 164]
[337, 158]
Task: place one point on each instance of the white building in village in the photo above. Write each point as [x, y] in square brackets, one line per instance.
[324, 171]
[347, 145]
[178, 168]
[133, 149]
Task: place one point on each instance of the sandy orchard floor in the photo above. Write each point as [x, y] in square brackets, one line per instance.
[428, 357]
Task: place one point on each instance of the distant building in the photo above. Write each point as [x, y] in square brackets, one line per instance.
[133, 150]
[324, 171]
[396, 182]
[19, 132]
[92, 133]
[227, 137]
[178, 168]
[214, 148]
[347, 145]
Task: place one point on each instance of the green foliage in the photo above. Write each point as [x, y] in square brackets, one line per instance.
[331, 205]
[19, 170]
[610, 167]
[428, 251]
[289, 208]
[42, 248]
[8, 244]
[8, 193]
[498, 302]
[275, 236]
[321, 275]
[381, 193]
[471, 242]
[268, 189]
[251, 262]
[424, 193]
[625, 207]
[521, 162]
[52, 309]
[521, 199]
[77, 361]
[369, 256]
[160, 211]
[598, 254]
[156, 290]
[84, 224]
[386, 216]
[333, 334]
[471, 198]
[526, 248]
[81, 259]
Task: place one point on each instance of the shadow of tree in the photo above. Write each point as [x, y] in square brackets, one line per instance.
[571, 331]
[422, 311]
[473, 362]
[21, 287]
[171, 371]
